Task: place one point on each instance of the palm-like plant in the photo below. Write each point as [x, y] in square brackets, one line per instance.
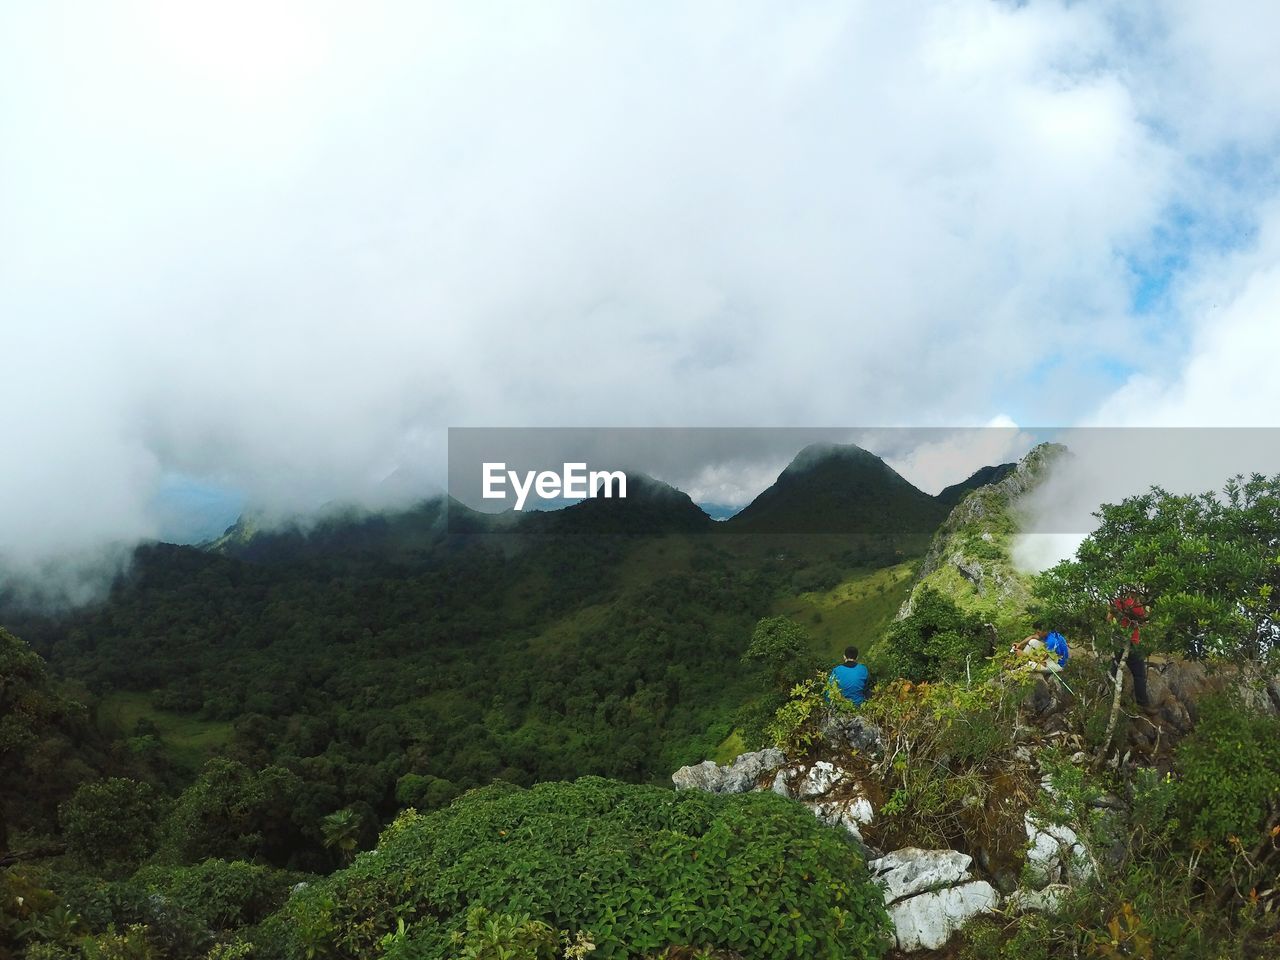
[341, 831]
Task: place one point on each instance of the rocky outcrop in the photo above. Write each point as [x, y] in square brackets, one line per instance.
[930, 895]
[817, 780]
[928, 921]
[832, 793]
[852, 813]
[912, 871]
[845, 731]
[1055, 854]
[1047, 900]
[743, 775]
[1175, 688]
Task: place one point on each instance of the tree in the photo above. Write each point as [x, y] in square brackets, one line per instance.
[781, 648]
[41, 740]
[235, 813]
[341, 830]
[113, 822]
[424, 792]
[1208, 566]
[938, 640]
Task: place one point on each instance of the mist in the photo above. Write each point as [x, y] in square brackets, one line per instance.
[277, 249]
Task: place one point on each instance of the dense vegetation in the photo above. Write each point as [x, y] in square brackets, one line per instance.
[1208, 565]
[231, 724]
[378, 683]
[631, 869]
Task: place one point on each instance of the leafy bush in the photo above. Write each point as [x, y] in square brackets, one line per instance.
[218, 894]
[797, 723]
[936, 641]
[1228, 793]
[780, 647]
[946, 763]
[635, 869]
[104, 906]
[112, 822]
[234, 813]
[424, 792]
[489, 936]
[1207, 564]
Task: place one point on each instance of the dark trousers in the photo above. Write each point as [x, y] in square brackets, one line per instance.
[1138, 668]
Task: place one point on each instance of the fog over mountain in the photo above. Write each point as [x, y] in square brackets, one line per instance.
[274, 250]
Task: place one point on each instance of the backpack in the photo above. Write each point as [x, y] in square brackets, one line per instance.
[1056, 644]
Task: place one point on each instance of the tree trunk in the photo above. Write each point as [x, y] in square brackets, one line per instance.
[1118, 677]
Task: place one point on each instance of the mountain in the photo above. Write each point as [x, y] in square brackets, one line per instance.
[984, 476]
[345, 531]
[650, 507]
[969, 558]
[831, 488]
[826, 489]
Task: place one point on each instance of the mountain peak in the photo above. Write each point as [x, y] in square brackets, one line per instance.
[650, 506]
[840, 488]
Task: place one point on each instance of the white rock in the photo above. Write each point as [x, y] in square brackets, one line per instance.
[911, 871]
[851, 814]
[1044, 858]
[747, 769]
[819, 779]
[927, 921]
[1060, 832]
[698, 776]
[1048, 900]
[1079, 866]
[737, 777]
[859, 810]
[780, 784]
[1055, 853]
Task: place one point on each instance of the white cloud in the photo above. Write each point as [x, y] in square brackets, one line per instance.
[934, 464]
[284, 247]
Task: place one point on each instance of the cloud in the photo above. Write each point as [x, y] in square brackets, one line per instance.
[281, 248]
[933, 464]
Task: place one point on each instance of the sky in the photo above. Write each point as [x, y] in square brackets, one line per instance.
[261, 254]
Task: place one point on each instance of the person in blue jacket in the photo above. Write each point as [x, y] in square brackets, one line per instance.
[850, 678]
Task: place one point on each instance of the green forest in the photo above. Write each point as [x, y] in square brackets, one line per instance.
[381, 738]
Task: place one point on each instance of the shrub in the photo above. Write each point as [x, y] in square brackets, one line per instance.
[106, 906]
[218, 894]
[1207, 564]
[424, 792]
[797, 723]
[1228, 793]
[946, 764]
[936, 641]
[635, 869]
[112, 822]
[234, 813]
[780, 647]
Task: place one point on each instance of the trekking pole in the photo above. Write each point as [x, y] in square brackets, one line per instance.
[1058, 676]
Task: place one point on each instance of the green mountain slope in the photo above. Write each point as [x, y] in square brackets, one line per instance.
[979, 478]
[969, 556]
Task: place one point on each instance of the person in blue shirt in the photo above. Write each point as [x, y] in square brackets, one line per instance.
[850, 678]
